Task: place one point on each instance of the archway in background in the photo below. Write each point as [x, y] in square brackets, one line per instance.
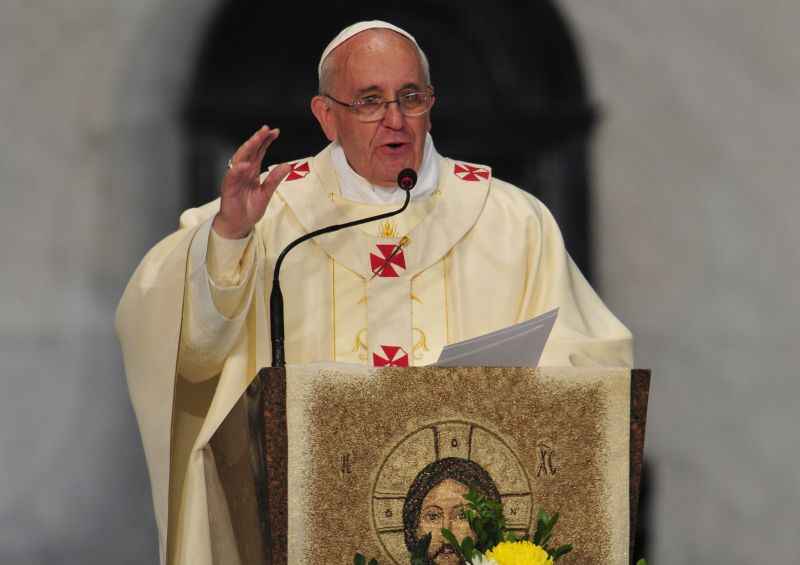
[509, 82]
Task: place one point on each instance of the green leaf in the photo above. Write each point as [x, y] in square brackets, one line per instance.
[544, 527]
[511, 537]
[373, 562]
[551, 523]
[561, 551]
[641, 562]
[468, 547]
[485, 517]
[359, 559]
[451, 539]
[541, 519]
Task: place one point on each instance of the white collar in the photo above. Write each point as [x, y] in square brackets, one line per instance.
[358, 189]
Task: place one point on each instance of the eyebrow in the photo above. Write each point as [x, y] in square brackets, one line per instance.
[374, 87]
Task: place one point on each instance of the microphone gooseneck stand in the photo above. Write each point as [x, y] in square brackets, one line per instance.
[406, 180]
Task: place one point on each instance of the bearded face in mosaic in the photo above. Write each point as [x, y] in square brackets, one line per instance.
[436, 501]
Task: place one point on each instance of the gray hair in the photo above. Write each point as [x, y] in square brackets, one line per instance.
[328, 70]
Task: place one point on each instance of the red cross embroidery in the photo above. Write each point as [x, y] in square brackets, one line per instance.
[383, 265]
[396, 356]
[470, 172]
[299, 170]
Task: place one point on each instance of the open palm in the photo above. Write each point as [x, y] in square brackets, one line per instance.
[244, 196]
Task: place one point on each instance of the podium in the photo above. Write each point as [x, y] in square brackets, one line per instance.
[318, 462]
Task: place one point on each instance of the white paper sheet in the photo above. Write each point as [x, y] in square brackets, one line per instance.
[520, 345]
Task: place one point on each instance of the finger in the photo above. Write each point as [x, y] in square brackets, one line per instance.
[275, 176]
[262, 150]
[251, 146]
[256, 156]
[248, 149]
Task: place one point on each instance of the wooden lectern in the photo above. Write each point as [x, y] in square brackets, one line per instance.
[334, 459]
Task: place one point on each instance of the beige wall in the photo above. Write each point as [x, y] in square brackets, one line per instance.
[696, 241]
[90, 161]
[697, 195]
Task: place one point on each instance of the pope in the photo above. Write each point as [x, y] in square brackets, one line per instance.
[470, 254]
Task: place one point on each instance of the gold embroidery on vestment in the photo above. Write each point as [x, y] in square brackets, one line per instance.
[446, 305]
[421, 344]
[361, 344]
[333, 309]
[387, 228]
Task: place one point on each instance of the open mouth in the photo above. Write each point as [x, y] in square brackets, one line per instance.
[446, 549]
[395, 149]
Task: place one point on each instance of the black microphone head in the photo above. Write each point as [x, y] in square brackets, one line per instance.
[407, 179]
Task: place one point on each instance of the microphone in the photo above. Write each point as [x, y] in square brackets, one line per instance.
[406, 180]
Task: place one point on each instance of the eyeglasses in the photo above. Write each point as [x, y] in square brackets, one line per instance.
[373, 108]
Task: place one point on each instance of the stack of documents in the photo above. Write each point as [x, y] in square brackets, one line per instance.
[520, 345]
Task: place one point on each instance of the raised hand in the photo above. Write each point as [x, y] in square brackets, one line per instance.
[243, 197]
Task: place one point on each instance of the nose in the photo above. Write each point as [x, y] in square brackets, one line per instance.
[447, 522]
[393, 118]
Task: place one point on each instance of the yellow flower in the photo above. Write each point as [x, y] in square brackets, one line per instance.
[519, 553]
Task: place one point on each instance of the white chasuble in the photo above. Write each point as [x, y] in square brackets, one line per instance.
[388, 294]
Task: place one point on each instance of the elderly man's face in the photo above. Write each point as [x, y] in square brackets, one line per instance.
[443, 507]
[382, 63]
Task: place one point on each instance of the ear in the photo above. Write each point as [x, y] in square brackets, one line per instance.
[321, 109]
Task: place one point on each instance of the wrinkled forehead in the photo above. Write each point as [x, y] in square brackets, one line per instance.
[386, 44]
[376, 54]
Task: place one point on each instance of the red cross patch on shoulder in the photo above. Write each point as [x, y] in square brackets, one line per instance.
[388, 262]
[299, 170]
[395, 356]
[470, 172]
